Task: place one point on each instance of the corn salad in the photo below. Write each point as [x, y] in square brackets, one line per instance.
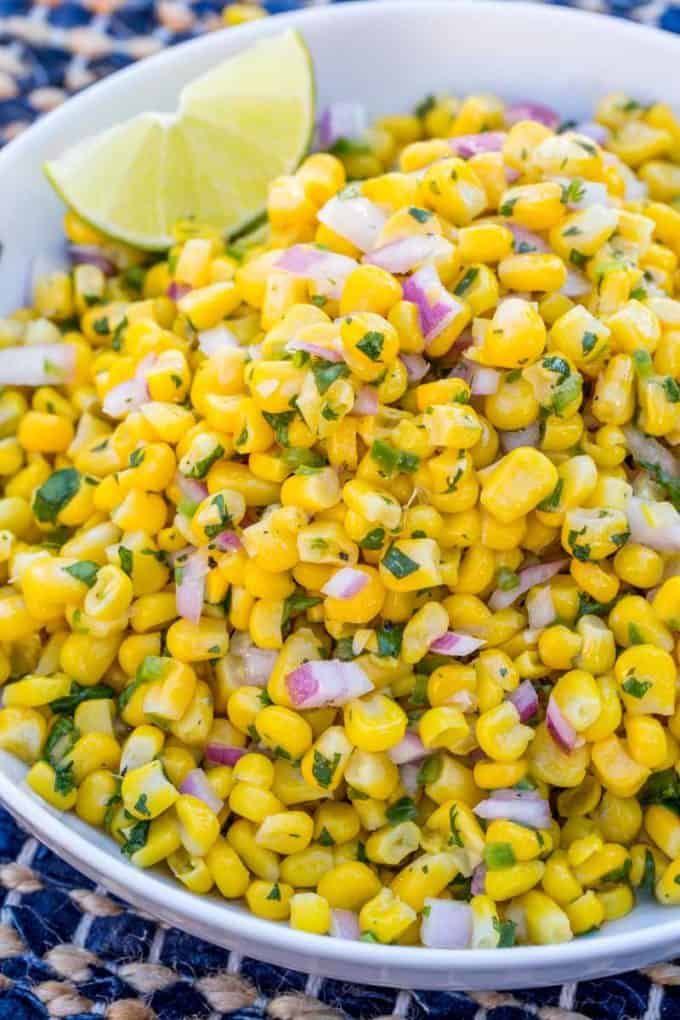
[341, 571]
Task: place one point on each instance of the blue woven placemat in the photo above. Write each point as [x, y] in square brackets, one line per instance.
[69, 949]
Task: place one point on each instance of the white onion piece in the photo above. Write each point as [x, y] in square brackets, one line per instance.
[223, 754]
[316, 350]
[190, 589]
[591, 129]
[366, 401]
[130, 395]
[654, 523]
[37, 365]
[525, 700]
[529, 110]
[344, 925]
[485, 381]
[541, 608]
[647, 450]
[467, 146]
[345, 583]
[436, 306]
[409, 749]
[311, 263]
[560, 729]
[258, 664]
[526, 240]
[408, 253]
[446, 924]
[341, 120]
[353, 217]
[528, 578]
[531, 811]
[408, 777]
[326, 682]
[456, 644]
[576, 286]
[197, 784]
[529, 436]
[191, 488]
[216, 339]
[590, 192]
[416, 367]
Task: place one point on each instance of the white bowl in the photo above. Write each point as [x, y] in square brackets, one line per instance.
[387, 55]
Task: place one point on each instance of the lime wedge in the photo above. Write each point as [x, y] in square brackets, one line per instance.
[238, 126]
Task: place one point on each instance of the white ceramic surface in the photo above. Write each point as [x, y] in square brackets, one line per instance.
[388, 55]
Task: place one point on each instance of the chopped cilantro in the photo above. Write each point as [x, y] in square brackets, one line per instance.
[573, 191]
[498, 856]
[577, 258]
[126, 558]
[634, 687]
[373, 539]
[326, 372]
[552, 501]
[62, 737]
[425, 106]
[671, 389]
[141, 805]
[324, 768]
[84, 570]
[421, 215]
[325, 837]
[274, 893]
[135, 839]
[466, 281]
[280, 423]
[371, 344]
[296, 603]
[642, 362]
[455, 839]
[67, 704]
[398, 563]
[389, 639]
[506, 933]
[505, 209]
[430, 770]
[403, 810]
[506, 579]
[391, 460]
[64, 781]
[588, 341]
[54, 494]
[201, 467]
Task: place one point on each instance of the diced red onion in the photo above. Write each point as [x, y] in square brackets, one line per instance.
[409, 749]
[416, 367]
[190, 590]
[311, 263]
[478, 883]
[341, 120]
[463, 370]
[541, 609]
[559, 727]
[365, 401]
[344, 925]
[228, 541]
[577, 285]
[485, 381]
[591, 129]
[345, 583]
[176, 290]
[223, 754]
[651, 451]
[467, 146]
[326, 682]
[353, 217]
[191, 488]
[526, 240]
[316, 350]
[662, 533]
[258, 664]
[525, 700]
[436, 306]
[533, 812]
[528, 578]
[408, 253]
[216, 339]
[529, 436]
[508, 794]
[446, 924]
[532, 111]
[197, 784]
[37, 365]
[511, 175]
[408, 777]
[455, 644]
[92, 255]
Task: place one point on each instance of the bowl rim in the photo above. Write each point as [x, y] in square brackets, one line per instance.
[141, 886]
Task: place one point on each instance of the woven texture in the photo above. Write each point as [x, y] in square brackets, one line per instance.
[69, 949]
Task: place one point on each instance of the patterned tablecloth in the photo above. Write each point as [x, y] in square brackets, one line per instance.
[67, 948]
